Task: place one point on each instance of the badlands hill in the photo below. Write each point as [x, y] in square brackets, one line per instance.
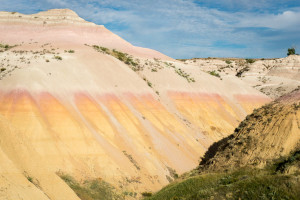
[271, 132]
[80, 104]
[273, 77]
[260, 160]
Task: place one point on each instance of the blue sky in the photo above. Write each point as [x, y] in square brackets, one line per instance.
[190, 28]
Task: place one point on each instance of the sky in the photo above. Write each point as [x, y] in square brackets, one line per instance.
[189, 28]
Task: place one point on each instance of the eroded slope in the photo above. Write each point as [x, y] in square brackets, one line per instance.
[73, 110]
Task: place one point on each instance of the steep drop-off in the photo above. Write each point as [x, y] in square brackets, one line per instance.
[261, 160]
[68, 108]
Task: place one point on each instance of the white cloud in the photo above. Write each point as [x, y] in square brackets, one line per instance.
[181, 28]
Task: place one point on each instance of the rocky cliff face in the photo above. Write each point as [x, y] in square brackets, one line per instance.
[68, 105]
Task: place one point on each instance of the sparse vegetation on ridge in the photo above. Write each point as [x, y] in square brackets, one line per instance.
[185, 75]
[148, 82]
[5, 47]
[124, 57]
[249, 60]
[130, 158]
[180, 72]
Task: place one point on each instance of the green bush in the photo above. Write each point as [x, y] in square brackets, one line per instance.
[228, 62]
[250, 61]
[214, 73]
[291, 51]
[57, 57]
[30, 179]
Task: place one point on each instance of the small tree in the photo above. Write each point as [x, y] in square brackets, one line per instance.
[291, 51]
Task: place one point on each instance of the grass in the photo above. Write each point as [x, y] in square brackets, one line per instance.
[228, 62]
[6, 47]
[249, 60]
[185, 75]
[148, 82]
[240, 184]
[131, 159]
[214, 73]
[30, 179]
[57, 57]
[92, 189]
[124, 57]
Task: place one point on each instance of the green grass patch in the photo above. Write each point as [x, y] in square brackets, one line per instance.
[241, 184]
[214, 73]
[92, 189]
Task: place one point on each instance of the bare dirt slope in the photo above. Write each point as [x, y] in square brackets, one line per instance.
[269, 133]
[132, 120]
[273, 77]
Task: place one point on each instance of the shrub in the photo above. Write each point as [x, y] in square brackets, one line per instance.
[6, 46]
[57, 57]
[149, 83]
[2, 69]
[240, 72]
[71, 51]
[250, 61]
[146, 194]
[214, 73]
[124, 57]
[30, 179]
[228, 62]
[185, 75]
[291, 51]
